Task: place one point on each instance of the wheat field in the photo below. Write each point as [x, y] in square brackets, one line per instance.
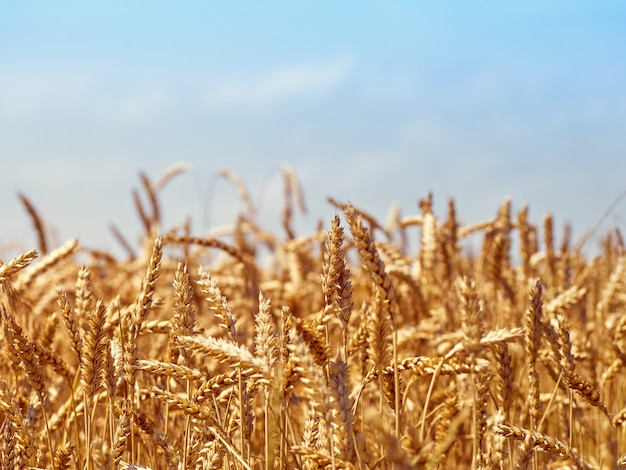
[344, 348]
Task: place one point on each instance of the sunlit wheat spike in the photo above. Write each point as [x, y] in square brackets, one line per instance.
[533, 341]
[16, 264]
[244, 194]
[217, 302]
[227, 351]
[38, 224]
[540, 441]
[46, 264]
[169, 174]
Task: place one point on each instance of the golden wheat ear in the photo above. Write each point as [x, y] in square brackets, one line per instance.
[241, 188]
[533, 341]
[46, 264]
[16, 442]
[536, 440]
[184, 316]
[16, 265]
[336, 284]
[38, 224]
[169, 174]
[217, 302]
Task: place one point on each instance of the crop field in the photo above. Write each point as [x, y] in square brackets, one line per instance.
[366, 345]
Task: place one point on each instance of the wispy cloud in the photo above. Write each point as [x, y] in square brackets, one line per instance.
[135, 105]
[49, 94]
[110, 95]
[280, 84]
[28, 93]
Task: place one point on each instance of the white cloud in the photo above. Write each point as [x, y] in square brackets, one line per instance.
[112, 95]
[28, 93]
[136, 105]
[280, 84]
[51, 93]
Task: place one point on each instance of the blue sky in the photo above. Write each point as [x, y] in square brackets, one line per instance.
[373, 102]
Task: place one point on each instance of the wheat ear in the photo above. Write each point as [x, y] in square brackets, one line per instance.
[336, 285]
[174, 239]
[384, 291]
[121, 239]
[155, 218]
[244, 194]
[184, 318]
[342, 417]
[16, 439]
[533, 341]
[217, 302]
[37, 223]
[540, 441]
[27, 351]
[169, 174]
[92, 365]
[45, 264]
[16, 265]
